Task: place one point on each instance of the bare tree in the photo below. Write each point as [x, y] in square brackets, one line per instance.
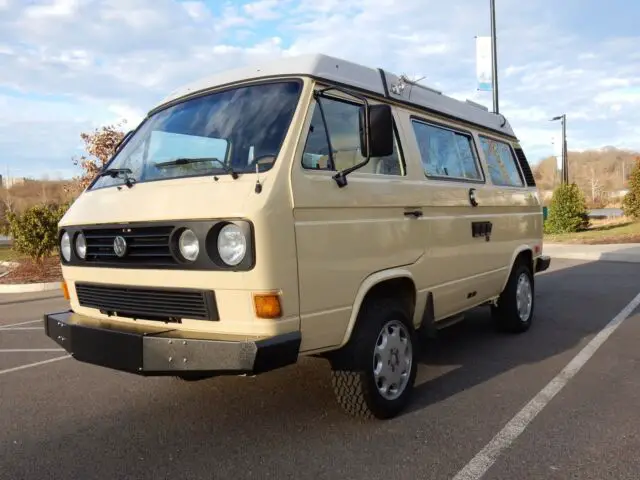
[100, 146]
[596, 187]
[597, 172]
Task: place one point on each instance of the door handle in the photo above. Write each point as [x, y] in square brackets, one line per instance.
[413, 213]
[472, 197]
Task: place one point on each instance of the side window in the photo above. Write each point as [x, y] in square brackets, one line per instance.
[502, 165]
[344, 133]
[446, 153]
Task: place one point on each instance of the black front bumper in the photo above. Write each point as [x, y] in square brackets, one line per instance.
[167, 351]
[542, 263]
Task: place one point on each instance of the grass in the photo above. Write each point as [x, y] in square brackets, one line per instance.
[601, 232]
[7, 254]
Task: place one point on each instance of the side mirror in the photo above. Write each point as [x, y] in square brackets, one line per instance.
[378, 131]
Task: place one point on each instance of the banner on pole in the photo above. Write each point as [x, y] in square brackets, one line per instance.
[483, 64]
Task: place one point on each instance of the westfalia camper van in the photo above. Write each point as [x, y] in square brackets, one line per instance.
[310, 206]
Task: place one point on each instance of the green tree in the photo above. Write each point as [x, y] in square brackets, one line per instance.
[35, 231]
[567, 211]
[631, 202]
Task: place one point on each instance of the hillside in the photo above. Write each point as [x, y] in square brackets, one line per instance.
[601, 174]
[31, 192]
[22, 195]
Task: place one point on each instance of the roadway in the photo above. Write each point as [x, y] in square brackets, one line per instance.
[472, 417]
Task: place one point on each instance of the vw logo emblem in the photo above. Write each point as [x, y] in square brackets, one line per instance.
[120, 246]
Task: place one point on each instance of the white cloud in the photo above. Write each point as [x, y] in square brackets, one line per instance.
[587, 56]
[53, 8]
[619, 96]
[614, 82]
[126, 113]
[197, 10]
[264, 9]
[71, 64]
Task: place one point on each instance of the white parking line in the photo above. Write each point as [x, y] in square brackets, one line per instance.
[20, 329]
[25, 350]
[22, 367]
[481, 463]
[2, 327]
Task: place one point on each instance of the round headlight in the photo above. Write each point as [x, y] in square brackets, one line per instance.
[81, 246]
[65, 246]
[189, 245]
[232, 244]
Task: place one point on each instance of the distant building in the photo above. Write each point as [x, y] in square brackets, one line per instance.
[618, 193]
[8, 182]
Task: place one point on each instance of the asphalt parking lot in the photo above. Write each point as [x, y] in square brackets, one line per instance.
[472, 417]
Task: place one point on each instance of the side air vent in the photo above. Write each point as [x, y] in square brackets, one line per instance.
[526, 169]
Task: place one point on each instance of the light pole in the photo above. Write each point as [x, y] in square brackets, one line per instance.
[565, 160]
[494, 57]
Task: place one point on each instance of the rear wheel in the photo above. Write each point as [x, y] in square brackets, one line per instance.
[373, 376]
[516, 303]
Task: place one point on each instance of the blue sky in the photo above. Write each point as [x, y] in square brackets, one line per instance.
[69, 66]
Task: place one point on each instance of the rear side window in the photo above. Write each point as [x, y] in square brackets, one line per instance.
[503, 168]
[446, 153]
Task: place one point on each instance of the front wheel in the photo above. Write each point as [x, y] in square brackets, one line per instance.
[377, 370]
[514, 312]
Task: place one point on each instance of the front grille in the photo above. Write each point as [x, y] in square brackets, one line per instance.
[148, 303]
[145, 245]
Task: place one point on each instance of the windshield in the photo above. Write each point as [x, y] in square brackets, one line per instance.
[218, 134]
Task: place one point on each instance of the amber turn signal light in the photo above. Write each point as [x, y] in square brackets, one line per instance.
[65, 290]
[267, 305]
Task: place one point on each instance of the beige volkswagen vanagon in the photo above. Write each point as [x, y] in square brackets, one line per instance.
[309, 206]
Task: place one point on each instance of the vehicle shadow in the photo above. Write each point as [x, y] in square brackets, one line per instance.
[572, 305]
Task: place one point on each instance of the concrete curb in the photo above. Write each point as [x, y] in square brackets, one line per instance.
[9, 264]
[607, 257]
[28, 287]
[628, 253]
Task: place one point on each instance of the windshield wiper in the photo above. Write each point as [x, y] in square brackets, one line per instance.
[115, 172]
[187, 161]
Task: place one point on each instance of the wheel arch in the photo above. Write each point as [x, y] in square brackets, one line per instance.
[396, 281]
[523, 252]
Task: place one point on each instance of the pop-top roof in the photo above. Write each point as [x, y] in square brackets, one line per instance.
[349, 74]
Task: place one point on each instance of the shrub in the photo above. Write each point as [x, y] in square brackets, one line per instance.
[631, 202]
[35, 231]
[567, 210]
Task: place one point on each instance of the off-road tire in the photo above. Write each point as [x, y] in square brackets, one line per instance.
[352, 368]
[505, 315]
